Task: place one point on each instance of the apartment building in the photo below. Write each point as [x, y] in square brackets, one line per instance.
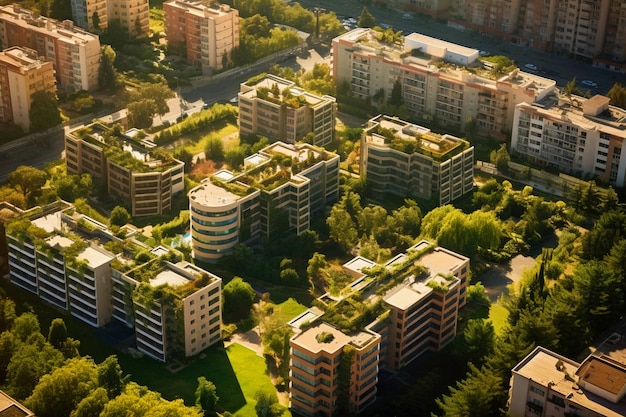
[575, 135]
[441, 83]
[274, 107]
[545, 383]
[132, 171]
[405, 159]
[432, 8]
[132, 16]
[206, 34]
[74, 53]
[76, 264]
[10, 407]
[22, 74]
[585, 28]
[328, 368]
[280, 188]
[417, 314]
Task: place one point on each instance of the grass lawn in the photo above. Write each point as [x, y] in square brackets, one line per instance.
[230, 143]
[289, 310]
[498, 316]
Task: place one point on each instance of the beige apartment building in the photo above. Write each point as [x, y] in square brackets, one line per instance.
[131, 170]
[78, 265]
[91, 15]
[585, 28]
[545, 383]
[207, 34]
[22, 74]
[432, 8]
[282, 187]
[575, 135]
[133, 16]
[419, 315]
[278, 109]
[74, 53]
[441, 83]
[408, 160]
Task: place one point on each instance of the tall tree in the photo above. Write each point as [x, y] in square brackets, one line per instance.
[27, 179]
[111, 377]
[57, 334]
[44, 111]
[91, 405]
[107, 74]
[28, 364]
[617, 94]
[206, 396]
[237, 295]
[26, 325]
[480, 337]
[119, 216]
[500, 158]
[366, 19]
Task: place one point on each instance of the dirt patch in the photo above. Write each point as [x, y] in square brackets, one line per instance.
[204, 168]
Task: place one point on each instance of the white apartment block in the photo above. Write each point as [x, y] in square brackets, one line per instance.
[545, 383]
[74, 53]
[408, 160]
[76, 264]
[281, 188]
[278, 109]
[441, 83]
[578, 136]
[208, 33]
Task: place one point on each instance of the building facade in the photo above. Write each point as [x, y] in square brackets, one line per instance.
[435, 83]
[90, 15]
[276, 108]
[76, 264]
[22, 74]
[131, 172]
[74, 53]
[576, 135]
[545, 383]
[405, 159]
[588, 29]
[207, 35]
[132, 16]
[281, 188]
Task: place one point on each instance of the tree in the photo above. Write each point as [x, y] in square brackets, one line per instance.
[396, 94]
[617, 94]
[58, 393]
[27, 179]
[214, 149]
[111, 377]
[480, 337]
[71, 187]
[57, 334]
[95, 20]
[7, 348]
[7, 314]
[139, 401]
[25, 326]
[44, 111]
[107, 74]
[500, 158]
[119, 216]
[60, 10]
[141, 113]
[366, 20]
[206, 396]
[91, 405]
[28, 364]
[341, 227]
[238, 295]
[267, 404]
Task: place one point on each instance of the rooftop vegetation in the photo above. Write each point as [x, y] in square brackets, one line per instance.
[432, 145]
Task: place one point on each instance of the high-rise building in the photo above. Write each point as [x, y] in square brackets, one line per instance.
[282, 187]
[130, 16]
[205, 34]
[74, 53]
[90, 15]
[440, 83]
[277, 108]
[574, 135]
[130, 170]
[408, 160]
[77, 264]
[22, 74]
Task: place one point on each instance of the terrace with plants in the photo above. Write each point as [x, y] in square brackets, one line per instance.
[439, 148]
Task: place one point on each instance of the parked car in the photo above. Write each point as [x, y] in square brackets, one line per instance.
[531, 67]
[407, 16]
[589, 83]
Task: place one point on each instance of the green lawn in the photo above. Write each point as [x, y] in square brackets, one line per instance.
[226, 130]
[498, 316]
[289, 309]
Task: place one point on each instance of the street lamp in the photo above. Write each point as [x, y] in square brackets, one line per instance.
[317, 11]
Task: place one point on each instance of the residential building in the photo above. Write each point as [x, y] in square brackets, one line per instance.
[274, 107]
[408, 160]
[575, 135]
[415, 298]
[441, 83]
[207, 35]
[74, 53]
[22, 74]
[545, 383]
[587, 29]
[328, 367]
[76, 264]
[432, 8]
[131, 170]
[133, 16]
[280, 188]
[91, 15]
[10, 407]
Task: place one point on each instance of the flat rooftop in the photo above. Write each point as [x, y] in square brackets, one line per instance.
[59, 242]
[94, 257]
[439, 43]
[49, 222]
[169, 277]
[308, 339]
[358, 263]
[407, 295]
[308, 316]
[211, 195]
[441, 261]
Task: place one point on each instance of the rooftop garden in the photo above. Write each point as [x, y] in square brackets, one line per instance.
[432, 145]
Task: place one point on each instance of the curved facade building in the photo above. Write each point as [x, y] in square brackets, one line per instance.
[220, 219]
